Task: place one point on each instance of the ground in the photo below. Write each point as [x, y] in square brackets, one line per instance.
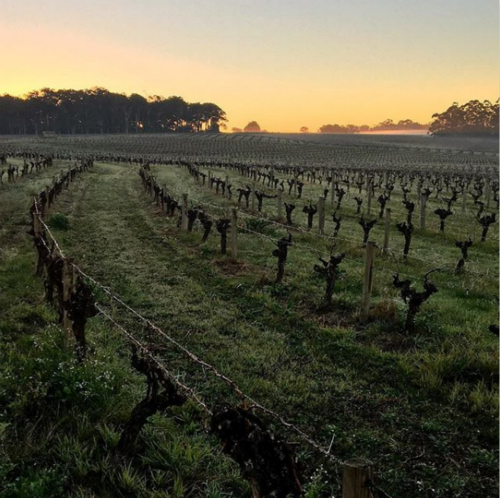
[422, 407]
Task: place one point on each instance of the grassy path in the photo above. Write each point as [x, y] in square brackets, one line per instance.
[322, 377]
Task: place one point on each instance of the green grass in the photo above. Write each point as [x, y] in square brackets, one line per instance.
[423, 408]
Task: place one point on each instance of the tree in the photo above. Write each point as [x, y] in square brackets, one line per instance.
[253, 126]
[304, 129]
[97, 110]
[471, 118]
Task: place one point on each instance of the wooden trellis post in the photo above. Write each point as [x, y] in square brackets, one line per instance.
[367, 280]
[357, 475]
[321, 214]
[280, 205]
[234, 233]
[184, 211]
[423, 202]
[387, 228]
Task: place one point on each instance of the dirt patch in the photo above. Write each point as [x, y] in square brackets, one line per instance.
[332, 316]
[230, 266]
[392, 342]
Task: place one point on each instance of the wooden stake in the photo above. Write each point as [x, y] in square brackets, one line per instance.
[321, 214]
[387, 228]
[234, 233]
[423, 202]
[184, 210]
[357, 474]
[367, 280]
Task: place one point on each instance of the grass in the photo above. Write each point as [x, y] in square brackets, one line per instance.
[423, 408]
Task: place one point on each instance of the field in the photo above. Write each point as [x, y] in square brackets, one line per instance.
[419, 401]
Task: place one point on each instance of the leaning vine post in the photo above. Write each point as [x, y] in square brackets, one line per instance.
[367, 280]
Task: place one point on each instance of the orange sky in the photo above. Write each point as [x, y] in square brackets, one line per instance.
[294, 73]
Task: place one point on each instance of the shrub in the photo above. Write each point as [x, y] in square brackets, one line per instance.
[58, 221]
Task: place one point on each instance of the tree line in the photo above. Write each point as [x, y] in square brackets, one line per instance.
[97, 111]
[472, 118]
[387, 125]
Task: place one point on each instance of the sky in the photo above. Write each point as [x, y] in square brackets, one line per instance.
[283, 63]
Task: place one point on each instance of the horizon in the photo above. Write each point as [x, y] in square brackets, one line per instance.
[274, 64]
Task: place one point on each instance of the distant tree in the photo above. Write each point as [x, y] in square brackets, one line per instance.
[236, 130]
[404, 124]
[304, 129]
[471, 118]
[336, 128]
[253, 126]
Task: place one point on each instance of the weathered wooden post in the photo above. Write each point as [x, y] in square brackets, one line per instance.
[67, 288]
[184, 211]
[387, 228]
[356, 478]
[234, 233]
[367, 280]
[226, 191]
[280, 205]
[321, 214]
[423, 202]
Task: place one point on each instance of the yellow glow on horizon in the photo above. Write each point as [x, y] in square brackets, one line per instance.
[64, 59]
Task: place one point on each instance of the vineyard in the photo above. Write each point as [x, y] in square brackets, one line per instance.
[248, 315]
